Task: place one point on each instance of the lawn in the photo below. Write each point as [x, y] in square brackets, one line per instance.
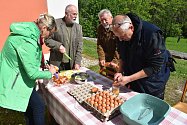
[172, 44]
[173, 89]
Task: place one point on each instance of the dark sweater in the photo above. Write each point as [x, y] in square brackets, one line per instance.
[146, 50]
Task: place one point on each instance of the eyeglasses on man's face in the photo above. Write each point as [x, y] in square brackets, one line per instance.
[126, 24]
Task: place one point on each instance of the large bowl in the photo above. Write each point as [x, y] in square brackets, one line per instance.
[80, 77]
[144, 109]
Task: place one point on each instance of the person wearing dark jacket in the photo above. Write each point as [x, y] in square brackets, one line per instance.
[143, 55]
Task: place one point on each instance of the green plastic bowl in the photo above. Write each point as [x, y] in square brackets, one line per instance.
[144, 109]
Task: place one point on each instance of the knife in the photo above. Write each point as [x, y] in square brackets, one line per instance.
[67, 56]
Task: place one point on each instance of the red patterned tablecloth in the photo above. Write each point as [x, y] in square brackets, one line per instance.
[66, 110]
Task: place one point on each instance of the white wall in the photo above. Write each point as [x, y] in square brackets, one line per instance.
[57, 7]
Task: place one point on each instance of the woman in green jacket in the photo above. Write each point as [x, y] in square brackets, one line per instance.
[20, 61]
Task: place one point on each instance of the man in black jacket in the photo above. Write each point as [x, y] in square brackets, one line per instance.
[143, 55]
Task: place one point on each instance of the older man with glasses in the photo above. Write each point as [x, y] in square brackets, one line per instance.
[143, 55]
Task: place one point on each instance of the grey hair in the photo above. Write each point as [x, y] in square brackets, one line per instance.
[103, 11]
[68, 8]
[47, 20]
[126, 23]
[123, 23]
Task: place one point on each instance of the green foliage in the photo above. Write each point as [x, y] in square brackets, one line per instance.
[184, 30]
[169, 15]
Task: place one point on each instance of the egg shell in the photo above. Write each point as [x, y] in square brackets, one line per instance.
[99, 107]
[108, 108]
[103, 110]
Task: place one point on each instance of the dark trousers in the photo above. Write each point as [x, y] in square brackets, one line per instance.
[64, 66]
[35, 112]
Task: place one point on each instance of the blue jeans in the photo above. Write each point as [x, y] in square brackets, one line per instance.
[35, 112]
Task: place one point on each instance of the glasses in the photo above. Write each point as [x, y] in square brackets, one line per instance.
[126, 25]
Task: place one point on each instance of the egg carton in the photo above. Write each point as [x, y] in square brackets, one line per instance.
[96, 108]
[82, 92]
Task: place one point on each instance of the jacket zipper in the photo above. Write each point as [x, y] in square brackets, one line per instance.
[15, 80]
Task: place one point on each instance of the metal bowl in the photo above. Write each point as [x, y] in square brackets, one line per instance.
[80, 77]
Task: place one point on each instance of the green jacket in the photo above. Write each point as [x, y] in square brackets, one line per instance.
[20, 61]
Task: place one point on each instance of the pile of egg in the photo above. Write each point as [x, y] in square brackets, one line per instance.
[104, 101]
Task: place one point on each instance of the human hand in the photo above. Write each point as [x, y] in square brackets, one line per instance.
[62, 49]
[114, 65]
[52, 69]
[76, 66]
[102, 62]
[121, 80]
[117, 77]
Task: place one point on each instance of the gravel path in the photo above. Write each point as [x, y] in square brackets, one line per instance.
[88, 62]
[85, 61]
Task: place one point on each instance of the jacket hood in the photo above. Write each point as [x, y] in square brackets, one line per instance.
[137, 23]
[26, 29]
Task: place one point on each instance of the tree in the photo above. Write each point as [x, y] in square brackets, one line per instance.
[169, 15]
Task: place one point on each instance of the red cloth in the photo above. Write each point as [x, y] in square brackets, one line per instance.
[43, 60]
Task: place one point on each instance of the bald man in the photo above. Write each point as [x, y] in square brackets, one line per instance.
[66, 41]
[143, 55]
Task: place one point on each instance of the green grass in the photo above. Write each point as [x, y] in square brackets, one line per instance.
[177, 79]
[89, 49]
[181, 46]
[176, 82]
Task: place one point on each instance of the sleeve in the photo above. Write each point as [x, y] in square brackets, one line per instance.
[100, 51]
[30, 61]
[52, 44]
[154, 54]
[116, 55]
[79, 40]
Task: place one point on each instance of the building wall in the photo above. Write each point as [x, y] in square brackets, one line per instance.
[16, 11]
[28, 10]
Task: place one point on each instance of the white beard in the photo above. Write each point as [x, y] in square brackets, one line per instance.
[106, 26]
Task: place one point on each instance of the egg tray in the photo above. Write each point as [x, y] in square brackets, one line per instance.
[82, 92]
[108, 115]
[99, 115]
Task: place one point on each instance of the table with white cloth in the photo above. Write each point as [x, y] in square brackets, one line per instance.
[66, 110]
